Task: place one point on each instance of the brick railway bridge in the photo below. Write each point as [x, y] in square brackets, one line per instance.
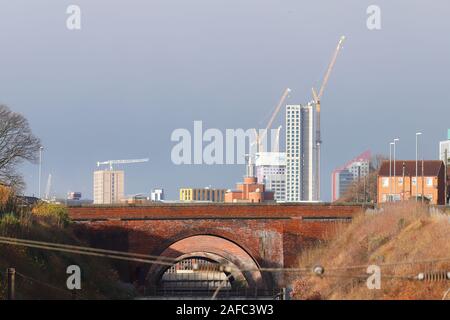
[246, 236]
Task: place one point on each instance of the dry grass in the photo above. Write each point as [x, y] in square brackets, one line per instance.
[100, 280]
[400, 233]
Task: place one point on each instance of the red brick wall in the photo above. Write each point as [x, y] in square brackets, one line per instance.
[222, 210]
[273, 235]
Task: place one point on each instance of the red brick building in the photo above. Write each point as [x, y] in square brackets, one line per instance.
[249, 191]
[448, 185]
[430, 184]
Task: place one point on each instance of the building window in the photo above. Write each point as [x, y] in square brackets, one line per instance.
[385, 182]
[400, 181]
[414, 182]
[429, 182]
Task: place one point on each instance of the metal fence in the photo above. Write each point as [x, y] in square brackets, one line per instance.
[241, 293]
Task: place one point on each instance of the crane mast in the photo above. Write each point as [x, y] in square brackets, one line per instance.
[317, 98]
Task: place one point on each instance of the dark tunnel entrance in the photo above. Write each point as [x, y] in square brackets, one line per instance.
[201, 274]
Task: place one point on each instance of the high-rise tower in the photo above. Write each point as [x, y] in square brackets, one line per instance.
[300, 153]
[108, 186]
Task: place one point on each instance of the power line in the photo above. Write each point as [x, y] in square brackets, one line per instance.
[394, 264]
[151, 259]
[351, 267]
[95, 254]
[57, 245]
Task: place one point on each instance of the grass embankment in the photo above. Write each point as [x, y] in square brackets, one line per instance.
[398, 234]
[46, 270]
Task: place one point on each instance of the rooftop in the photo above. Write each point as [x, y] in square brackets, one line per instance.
[431, 168]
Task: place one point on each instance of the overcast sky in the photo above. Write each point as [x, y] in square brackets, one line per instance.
[137, 70]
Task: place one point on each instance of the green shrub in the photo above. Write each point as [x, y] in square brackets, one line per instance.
[9, 223]
[9, 219]
[52, 213]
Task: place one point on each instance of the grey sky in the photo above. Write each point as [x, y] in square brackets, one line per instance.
[140, 69]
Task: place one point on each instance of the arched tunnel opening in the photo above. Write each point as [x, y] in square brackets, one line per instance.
[205, 264]
[202, 273]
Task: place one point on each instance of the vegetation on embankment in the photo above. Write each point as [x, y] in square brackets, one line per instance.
[41, 274]
[390, 238]
[45, 271]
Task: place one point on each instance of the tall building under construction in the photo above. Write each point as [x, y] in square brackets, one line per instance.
[271, 171]
[108, 186]
[300, 141]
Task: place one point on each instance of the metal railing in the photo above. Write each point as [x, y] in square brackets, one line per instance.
[241, 293]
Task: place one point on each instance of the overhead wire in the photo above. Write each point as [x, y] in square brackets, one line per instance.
[160, 260]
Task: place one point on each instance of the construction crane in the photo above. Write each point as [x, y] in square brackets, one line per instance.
[317, 98]
[111, 162]
[272, 118]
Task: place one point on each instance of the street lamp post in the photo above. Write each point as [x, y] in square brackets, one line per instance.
[417, 164]
[359, 179]
[40, 170]
[395, 177]
[390, 171]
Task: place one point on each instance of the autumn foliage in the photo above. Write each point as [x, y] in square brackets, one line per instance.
[404, 239]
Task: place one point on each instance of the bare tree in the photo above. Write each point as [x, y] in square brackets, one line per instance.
[365, 189]
[17, 144]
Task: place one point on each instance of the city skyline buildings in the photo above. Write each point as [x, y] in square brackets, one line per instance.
[343, 177]
[160, 85]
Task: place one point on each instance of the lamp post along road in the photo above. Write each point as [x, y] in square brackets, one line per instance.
[390, 171]
[395, 164]
[423, 184]
[417, 164]
[446, 176]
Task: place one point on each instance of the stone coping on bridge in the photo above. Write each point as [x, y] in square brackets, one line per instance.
[215, 204]
[214, 211]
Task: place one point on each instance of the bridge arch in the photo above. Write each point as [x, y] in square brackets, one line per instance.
[216, 248]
